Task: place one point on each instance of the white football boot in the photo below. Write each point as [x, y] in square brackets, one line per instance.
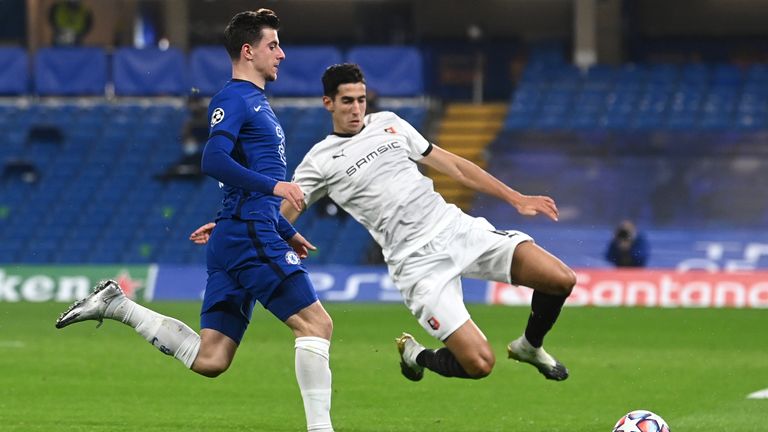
[93, 306]
[521, 350]
[409, 349]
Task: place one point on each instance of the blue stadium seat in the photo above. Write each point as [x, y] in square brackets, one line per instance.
[149, 72]
[14, 71]
[72, 71]
[210, 68]
[727, 75]
[300, 72]
[390, 71]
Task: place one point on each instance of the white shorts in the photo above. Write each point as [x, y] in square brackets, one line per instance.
[429, 279]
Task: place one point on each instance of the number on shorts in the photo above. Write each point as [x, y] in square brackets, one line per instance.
[509, 234]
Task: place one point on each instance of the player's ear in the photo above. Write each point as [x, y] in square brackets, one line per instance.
[328, 103]
[246, 51]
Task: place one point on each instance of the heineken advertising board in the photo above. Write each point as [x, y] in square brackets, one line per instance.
[31, 283]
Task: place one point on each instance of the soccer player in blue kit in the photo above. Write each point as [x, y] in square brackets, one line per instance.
[253, 254]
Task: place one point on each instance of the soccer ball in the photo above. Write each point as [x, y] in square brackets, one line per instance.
[641, 421]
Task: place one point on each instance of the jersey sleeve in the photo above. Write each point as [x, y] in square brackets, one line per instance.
[227, 115]
[311, 181]
[417, 144]
[284, 228]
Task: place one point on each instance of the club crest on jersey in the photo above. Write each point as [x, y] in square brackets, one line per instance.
[390, 130]
[292, 258]
[434, 323]
[217, 116]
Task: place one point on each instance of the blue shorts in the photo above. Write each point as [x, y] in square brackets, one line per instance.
[248, 261]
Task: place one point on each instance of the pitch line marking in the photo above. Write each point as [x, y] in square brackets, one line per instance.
[760, 394]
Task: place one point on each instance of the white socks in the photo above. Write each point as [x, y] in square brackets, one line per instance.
[314, 377]
[173, 337]
[169, 335]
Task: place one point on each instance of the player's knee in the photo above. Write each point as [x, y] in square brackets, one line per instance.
[325, 327]
[321, 326]
[567, 281]
[214, 371]
[480, 367]
[210, 368]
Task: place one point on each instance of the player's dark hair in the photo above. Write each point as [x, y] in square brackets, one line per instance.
[245, 28]
[338, 74]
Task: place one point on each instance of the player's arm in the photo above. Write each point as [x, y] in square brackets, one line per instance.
[299, 244]
[218, 163]
[288, 215]
[289, 212]
[476, 178]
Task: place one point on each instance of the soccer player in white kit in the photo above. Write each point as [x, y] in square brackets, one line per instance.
[367, 167]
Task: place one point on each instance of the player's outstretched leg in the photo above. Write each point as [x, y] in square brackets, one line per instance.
[409, 349]
[92, 307]
[522, 350]
[169, 335]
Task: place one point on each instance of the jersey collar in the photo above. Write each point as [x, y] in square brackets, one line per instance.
[246, 81]
[345, 135]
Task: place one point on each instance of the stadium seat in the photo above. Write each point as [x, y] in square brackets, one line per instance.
[75, 71]
[149, 72]
[14, 71]
[390, 71]
[209, 69]
[301, 71]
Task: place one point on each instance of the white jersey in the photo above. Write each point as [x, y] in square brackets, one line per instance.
[373, 176]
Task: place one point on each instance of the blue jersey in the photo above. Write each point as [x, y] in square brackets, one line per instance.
[245, 129]
[248, 257]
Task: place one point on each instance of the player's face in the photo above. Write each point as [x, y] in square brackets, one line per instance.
[267, 54]
[347, 108]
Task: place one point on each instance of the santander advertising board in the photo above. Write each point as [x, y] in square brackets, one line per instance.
[653, 288]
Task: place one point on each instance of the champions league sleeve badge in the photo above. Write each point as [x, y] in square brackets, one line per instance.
[217, 116]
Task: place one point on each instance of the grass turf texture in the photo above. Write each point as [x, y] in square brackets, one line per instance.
[693, 367]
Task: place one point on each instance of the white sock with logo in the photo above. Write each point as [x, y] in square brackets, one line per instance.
[169, 335]
[314, 377]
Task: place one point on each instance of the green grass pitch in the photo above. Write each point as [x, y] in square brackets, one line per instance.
[692, 366]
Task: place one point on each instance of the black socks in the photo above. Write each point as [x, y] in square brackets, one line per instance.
[443, 362]
[545, 308]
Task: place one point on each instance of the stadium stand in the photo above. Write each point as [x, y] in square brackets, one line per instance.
[674, 147]
[81, 178]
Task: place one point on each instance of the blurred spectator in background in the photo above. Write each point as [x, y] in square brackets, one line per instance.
[70, 21]
[628, 248]
[193, 136]
[195, 130]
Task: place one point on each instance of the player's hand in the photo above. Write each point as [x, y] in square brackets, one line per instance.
[301, 245]
[292, 193]
[533, 205]
[202, 234]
